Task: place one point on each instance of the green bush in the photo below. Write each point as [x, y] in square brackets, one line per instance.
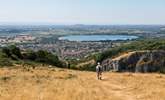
[15, 51]
[12, 52]
[6, 51]
[30, 55]
[49, 58]
[5, 62]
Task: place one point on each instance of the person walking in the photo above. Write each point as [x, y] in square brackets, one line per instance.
[99, 70]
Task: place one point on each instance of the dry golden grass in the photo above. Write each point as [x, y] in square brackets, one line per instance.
[60, 84]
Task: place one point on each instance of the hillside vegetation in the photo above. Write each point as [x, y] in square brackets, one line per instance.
[42, 83]
[149, 44]
[13, 55]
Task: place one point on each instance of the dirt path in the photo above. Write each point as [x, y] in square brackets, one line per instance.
[118, 90]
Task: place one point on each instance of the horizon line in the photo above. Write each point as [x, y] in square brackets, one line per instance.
[68, 24]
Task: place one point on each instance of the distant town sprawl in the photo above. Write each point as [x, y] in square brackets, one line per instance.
[46, 38]
[21, 38]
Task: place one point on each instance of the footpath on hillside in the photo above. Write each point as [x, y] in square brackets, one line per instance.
[61, 84]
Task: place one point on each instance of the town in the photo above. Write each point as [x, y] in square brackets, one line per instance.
[47, 38]
[63, 48]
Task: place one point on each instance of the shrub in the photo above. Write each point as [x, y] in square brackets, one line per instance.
[49, 58]
[6, 51]
[5, 62]
[15, 51]
[30, 55]
[12, 52]
[41, 56]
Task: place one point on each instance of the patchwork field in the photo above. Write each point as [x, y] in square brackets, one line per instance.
[61, 84]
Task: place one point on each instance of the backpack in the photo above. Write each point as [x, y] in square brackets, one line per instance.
[99, 69]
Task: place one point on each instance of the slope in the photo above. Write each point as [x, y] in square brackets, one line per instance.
[60, 84]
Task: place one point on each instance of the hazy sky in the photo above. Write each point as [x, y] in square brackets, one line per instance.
[83, 11]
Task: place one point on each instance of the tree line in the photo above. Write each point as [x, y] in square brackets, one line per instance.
[13, 53]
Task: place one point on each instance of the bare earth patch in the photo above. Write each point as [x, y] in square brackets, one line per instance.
[61, 84]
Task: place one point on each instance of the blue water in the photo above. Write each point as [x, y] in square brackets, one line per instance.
[97, 37]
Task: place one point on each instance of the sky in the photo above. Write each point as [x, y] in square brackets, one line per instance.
[100, 12]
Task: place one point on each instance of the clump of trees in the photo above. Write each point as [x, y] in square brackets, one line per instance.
[12, 52]
[43, 57]
[5, 62]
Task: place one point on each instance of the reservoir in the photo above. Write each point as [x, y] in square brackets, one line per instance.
[97, 37]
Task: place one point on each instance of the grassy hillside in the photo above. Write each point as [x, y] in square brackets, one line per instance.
[43, 83]
[149, 44]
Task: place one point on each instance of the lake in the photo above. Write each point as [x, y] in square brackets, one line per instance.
[97, 37]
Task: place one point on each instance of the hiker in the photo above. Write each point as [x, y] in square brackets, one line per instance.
[99, 70]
